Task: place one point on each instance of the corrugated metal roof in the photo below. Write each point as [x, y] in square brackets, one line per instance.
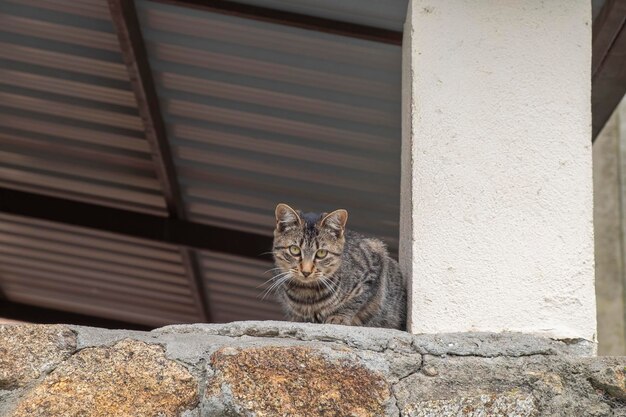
[235, 288]
[94, 273]
[68, 119]
[256, 114]
[259, 113]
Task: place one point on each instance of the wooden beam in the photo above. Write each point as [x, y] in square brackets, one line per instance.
[135, 57]
[137, 225]
[608, 66]
[285, 18]
[128, 28]
[31, 314]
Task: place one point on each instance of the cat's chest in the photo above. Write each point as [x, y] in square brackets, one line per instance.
[311, 306]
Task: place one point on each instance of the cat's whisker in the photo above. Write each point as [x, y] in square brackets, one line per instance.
[265, 293]
[276, 285]
[325, 283]
[279, 280]
[329, 284]
[275, 277]
[271, 269]
[321, 278]
[331, 287]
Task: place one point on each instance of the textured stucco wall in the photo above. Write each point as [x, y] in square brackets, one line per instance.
[497, 189]
[288, 369]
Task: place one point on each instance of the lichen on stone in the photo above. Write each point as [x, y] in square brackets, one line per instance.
[492, 405]
[611, 380]
[29, 351]
[131, 378]
[295, 381]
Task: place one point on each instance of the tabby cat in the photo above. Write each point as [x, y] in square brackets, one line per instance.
[328, 274]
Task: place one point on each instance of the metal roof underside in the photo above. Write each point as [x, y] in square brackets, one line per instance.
[100, 274]
[256, 113]
[259, 113]
[68, 119]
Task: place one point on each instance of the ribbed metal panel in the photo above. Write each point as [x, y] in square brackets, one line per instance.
[69, 124]
[259, 113]
[235, 288]
[93, 273]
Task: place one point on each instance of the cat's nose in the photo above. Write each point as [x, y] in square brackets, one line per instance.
[306, 267]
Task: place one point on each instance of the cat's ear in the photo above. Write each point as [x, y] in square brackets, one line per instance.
[336, 222]
[286, 217]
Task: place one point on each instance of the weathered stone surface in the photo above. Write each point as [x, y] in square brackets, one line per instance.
[529, 386]
[491, 345]
[292, 369]
[494, 405]
[466, 387]
[293, 381]
[458, 344]
[130, 378]
[28, 351]
[609, 375]
[356, 337]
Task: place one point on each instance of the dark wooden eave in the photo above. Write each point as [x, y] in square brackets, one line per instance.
[133, 224]
[135, 57]
[32, 314]
[128, 28]
[285, 18]
[608, 68]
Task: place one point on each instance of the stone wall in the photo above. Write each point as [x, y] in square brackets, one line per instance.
[287, 369]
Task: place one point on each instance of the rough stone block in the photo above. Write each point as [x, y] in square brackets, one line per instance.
[609, 376]
[494, 405]
[130, 378]
[293, 381]
[29, 351]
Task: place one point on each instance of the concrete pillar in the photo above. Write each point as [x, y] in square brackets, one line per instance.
[496, 216]
[609, 162]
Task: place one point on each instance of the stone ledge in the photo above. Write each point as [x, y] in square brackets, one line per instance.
[456, 344]
[289, 369]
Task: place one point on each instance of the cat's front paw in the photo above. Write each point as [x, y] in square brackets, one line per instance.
[338, 320]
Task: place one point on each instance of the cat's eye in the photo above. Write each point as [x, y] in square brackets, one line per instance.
[321, 253]
[294, 250]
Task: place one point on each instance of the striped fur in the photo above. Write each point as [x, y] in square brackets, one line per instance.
[356, 283]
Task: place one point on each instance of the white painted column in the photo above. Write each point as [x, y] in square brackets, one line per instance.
[496, 222]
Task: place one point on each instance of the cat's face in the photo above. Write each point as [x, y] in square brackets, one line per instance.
[308, 247]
